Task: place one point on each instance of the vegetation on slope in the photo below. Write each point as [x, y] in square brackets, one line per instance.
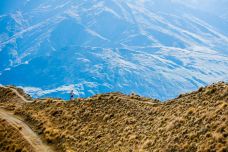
[196, 121]
[11, 139]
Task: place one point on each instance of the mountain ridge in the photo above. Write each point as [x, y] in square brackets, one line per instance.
[137, 46]
[195, 121]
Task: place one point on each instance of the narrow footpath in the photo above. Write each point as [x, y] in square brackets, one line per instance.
[28, 134]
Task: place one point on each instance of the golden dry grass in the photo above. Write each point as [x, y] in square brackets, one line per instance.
[11, 140]
[196, 121]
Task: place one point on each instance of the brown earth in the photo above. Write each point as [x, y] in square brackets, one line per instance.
[8, 134]
[196, 121]
[16, 127]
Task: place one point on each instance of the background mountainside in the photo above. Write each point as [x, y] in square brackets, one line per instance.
[157, 49]
[196, 121]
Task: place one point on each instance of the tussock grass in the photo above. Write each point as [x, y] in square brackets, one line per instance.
[196, 121]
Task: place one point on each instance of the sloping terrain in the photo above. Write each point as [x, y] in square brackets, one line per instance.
[99, 46]
[17, 136]
[196, 121]
[11, 139]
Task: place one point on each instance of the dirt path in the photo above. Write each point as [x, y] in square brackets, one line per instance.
[17, 93]
[25, 131]
[20, 96]
[143, 102]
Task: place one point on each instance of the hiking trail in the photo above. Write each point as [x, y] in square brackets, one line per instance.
[28, 134]
[17, 93]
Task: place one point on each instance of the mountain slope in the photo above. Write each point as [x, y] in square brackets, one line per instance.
[102, 46]
[194, 121]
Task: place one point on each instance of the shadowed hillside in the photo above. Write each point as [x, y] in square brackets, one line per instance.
[196, 121]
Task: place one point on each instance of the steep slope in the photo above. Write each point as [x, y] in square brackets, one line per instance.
[18, 136]
[194, 121]
[102, 46]
[8, 134]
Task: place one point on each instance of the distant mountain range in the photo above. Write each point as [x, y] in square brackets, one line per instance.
[154, 48]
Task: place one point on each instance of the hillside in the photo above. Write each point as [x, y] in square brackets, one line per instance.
[196, 121]
[97, 46]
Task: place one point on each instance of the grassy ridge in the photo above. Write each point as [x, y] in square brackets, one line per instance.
[196, 121]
